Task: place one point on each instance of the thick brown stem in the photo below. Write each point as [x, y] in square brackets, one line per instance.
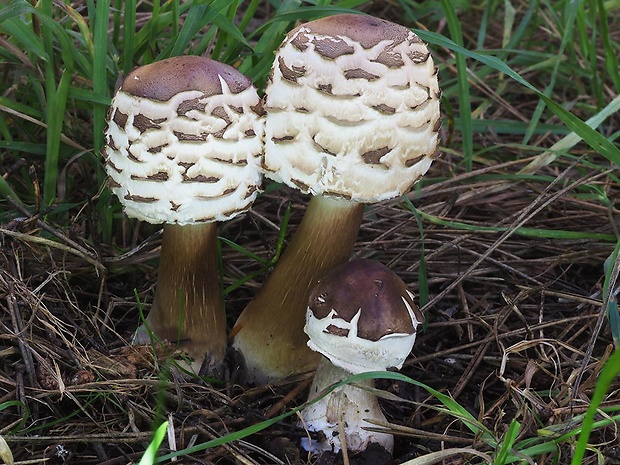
[188, 309]
[269, 333]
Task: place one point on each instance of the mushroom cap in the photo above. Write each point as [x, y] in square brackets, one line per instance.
[184, 141]
[352, 108]
[362, 317]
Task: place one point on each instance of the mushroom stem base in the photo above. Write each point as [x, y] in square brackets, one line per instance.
[187, 309]
[345, 409]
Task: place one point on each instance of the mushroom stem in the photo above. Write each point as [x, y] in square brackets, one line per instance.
[346, 407]
[269, 332]
[187, 309]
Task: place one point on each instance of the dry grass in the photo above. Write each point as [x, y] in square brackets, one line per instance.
[509, 323]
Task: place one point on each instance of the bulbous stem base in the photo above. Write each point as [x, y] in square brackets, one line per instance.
[345, 409]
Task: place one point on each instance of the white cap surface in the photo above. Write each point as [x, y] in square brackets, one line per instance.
[362, 317]
[184, 142]
[352, 109]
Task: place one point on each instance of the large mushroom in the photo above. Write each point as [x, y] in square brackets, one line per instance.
[352, 117]
[183, 148]
[361, 317]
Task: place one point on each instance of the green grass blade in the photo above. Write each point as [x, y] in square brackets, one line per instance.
[151, 451]
[613, 313]
[611, 54]
[176, 16]
[11, 106]
[19, 30]
[55, 117]
[26, 147]
[528, 232]
[268, 38]
[87, 45]
[270, 35]
[129, 36]
[307, 13]
[453, 409]
[15, 9]
[191, 26]
[509, 21]
[245, 432]
[570, 140]
[587, 32]
[7, 192]
[23, 408]
[116, 21]
[100, 78]
[593, 138]
[266, 264]
[484, 22]
[46, 11]
[89, 97]
[454, 27]
[422, 273]
[606, 377]
[54, 103]
[444, 456]
[249, 14]
[509, 439]
[612, 272]
[520, 32]
[230, 34]
[197, 17]
[571, 10]
[243, 251]
[164, 23]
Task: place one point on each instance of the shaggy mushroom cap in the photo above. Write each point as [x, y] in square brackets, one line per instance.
[184, 142]
[352, 109]
[362, 317]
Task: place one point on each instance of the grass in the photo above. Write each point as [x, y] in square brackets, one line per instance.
[150, 454]
[511, 241]
[504, 449]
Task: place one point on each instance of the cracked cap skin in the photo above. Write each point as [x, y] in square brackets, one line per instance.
[352, 109]
[184, 142]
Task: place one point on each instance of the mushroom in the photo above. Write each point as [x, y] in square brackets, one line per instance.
[183, 148]
[352, 117]
[361, 317]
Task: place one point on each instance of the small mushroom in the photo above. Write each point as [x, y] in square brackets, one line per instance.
[352, 117]
[183, 148]
[361, 317]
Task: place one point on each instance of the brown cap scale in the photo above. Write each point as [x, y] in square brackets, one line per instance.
[352, 117]
[183, 148]
[362, 318]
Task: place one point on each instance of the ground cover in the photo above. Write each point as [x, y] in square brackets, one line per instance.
[510, 242]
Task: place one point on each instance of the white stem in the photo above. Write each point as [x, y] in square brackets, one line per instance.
[346, 408]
